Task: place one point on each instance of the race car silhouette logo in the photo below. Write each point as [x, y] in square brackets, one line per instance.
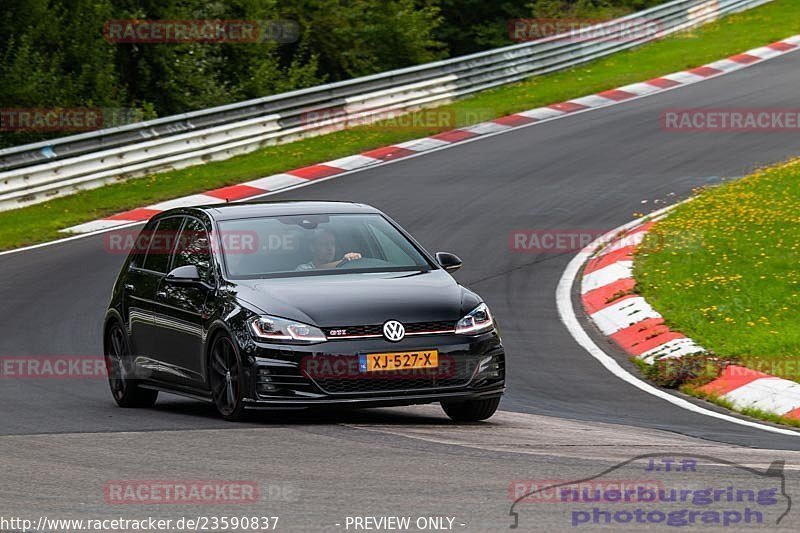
[660, 490]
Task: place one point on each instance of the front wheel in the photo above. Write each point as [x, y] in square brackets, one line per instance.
[227, 379]
[119, 365]
[471, 410]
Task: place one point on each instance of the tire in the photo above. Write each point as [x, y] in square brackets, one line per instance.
[471, 410]
[226, 379]
[119, 365]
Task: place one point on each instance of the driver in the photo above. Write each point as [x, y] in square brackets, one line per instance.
[323, 252]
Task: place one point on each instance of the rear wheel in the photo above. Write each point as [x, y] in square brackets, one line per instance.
[471, 410]
[226, 379]
[119, 365]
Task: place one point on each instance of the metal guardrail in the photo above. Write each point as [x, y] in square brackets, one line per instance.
[37, 172]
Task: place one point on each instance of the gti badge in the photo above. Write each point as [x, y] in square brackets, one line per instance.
[393, 330]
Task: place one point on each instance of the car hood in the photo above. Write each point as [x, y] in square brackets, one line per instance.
[360, 299]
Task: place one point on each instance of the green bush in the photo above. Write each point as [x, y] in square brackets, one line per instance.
[695, 370]
[54, 54]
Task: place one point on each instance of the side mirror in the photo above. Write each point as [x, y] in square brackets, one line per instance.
[186, 275]
[448, 261]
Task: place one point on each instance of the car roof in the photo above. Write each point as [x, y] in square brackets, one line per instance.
[236, 210]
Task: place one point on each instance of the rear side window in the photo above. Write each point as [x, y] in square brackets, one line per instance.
[194, 248]
[141, 244]
[162, 243]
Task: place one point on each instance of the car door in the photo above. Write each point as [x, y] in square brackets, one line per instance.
[180, 309]
[144, 274]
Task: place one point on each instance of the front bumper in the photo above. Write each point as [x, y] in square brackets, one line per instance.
[280, 376]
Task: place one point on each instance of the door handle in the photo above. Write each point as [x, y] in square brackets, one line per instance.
[129, 287]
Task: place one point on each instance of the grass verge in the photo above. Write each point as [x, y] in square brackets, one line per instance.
[725, 270]
[763, 25]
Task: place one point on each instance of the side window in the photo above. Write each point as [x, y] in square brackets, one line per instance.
[142, 243]
[161, 244]
[194, 248]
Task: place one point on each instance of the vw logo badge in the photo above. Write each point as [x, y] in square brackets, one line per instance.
[393, 330]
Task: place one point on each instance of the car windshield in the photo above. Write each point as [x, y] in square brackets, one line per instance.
[303, 245]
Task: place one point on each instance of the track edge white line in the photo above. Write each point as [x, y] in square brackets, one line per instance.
[566, 312]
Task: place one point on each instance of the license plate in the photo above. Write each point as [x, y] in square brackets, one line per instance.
[381, 362]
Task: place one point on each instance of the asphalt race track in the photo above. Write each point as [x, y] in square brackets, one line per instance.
[588, 172]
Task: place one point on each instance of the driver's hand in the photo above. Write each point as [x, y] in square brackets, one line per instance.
[351, 256]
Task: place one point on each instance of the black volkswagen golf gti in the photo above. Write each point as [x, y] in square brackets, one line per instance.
[296, 305]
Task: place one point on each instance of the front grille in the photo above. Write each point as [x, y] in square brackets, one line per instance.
[377, 329]
[459, 375]
[422, 327]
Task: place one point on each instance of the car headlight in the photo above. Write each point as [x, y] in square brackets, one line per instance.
[479, 320]
[274, 329]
